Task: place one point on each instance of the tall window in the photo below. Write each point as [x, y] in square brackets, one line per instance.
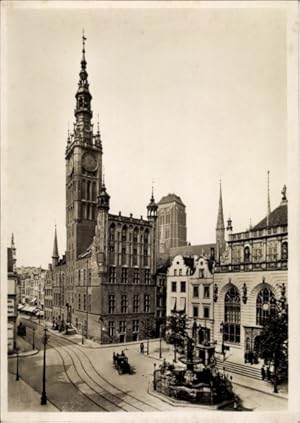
[147, 276]
[135, 303]
[122, 326]
[195, 291]
[111, 304]
[206, 291]
[232, 316]
[284, 251]
[84, 302]
[111, 328]
[182, 286]
[135, 326]
[136, 276]
[79, 302]
[246, 254]
[124, 304]
[134, 250]
[265, 305]
[124, 275]
[89, 303]
[112, 275]
[195, 311]
[147, 303]
[174, 286]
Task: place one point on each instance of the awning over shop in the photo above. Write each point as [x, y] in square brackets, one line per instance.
[181, 306]
[173, 304]
[20, 306]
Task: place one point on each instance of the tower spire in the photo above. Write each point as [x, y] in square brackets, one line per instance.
[55, 255]
[220, 229]
[220, 220]
[268, 200]
[12, 241]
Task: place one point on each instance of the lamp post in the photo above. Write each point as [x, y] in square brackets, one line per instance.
[222, 332]
[87, 296]
[148, 346]
[160, 355]
[82, 332]
[33, 335]
[17, 372]
[44, 340]
[175, 358]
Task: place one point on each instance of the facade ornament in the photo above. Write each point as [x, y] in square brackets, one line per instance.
[283, 192]
[245, 298]
[263, 279]
[216, 290]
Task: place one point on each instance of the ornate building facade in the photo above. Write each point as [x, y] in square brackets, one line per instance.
[105, 283]
[250, 278]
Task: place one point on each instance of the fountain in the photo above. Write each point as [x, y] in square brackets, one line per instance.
[198, 381]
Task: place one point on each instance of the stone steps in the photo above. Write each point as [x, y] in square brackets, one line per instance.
[241, 369]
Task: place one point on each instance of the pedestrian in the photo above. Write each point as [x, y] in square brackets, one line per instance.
[142, 348]
[263, 373]
[268, 373]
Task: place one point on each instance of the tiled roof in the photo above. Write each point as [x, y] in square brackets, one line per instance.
[189, 250]
[278, 217]
[171, 198]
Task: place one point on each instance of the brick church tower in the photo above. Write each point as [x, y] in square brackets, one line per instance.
[83, 171]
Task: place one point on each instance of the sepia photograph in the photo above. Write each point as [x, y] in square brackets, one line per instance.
[149, 152]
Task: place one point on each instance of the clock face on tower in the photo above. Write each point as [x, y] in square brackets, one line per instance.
[70, 166]
[89, 162]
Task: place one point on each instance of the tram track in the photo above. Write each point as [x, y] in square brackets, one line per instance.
[111, 397]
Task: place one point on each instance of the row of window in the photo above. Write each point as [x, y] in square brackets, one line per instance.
[124, 276]
[272, 253]
[206, 311]
[124, 304]
[206, 289]
[126, 235]
[122, 327]
[201, 273]
[84, 302]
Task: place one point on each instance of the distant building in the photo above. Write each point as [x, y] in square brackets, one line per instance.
[190, 292]
[171, 223]
[12, 294]
[249, 279]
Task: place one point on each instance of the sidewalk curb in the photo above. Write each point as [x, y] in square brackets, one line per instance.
[260, 390]
[25, 354]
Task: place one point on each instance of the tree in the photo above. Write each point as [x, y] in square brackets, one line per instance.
[176, 328]
[274, 343]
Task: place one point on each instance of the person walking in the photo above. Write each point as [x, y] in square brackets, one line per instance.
[263, 373]
[142, 348]
[268, 373]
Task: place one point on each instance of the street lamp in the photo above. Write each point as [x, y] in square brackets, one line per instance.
[222, 332]
[148, 346]
[33, 334]
[44, 340]
[17, 372]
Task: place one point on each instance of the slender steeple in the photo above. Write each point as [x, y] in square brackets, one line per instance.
[103, 198]
[83, 113]
[220, 229]
[220, 220]
[12, 242]
[269, 203]
[55, 255]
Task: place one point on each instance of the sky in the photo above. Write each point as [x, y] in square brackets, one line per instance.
[185, 97]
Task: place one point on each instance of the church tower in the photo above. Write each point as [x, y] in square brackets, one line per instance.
[83, 170]
[220, 229]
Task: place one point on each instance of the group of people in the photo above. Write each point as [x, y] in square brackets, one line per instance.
[59, 325]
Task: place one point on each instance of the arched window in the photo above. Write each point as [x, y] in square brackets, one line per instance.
[284, 251]
[88, 190]
[246, 254]
[265, 305]
[232, 313]
[123, 248]
[134, 247]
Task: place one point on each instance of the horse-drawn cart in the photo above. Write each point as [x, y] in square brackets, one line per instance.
[120, 362]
